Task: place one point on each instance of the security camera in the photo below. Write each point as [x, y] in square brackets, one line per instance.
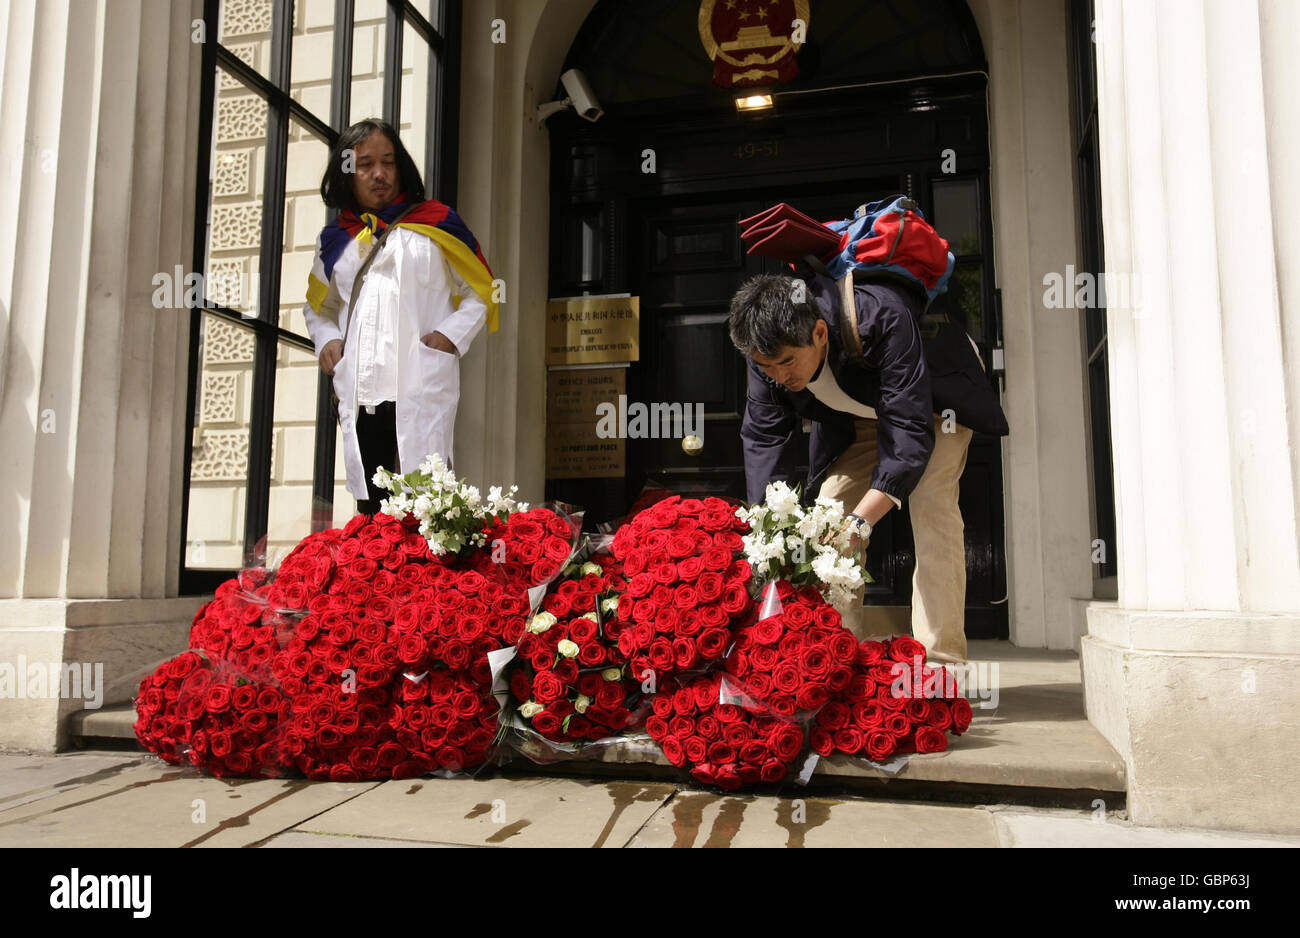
[581, 98]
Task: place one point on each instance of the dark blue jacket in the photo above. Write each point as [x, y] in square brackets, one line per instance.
[891, 377]
[903, 378]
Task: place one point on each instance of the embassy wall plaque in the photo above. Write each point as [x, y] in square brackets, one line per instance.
[590, 329]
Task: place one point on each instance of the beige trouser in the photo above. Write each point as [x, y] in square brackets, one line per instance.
[939, 583]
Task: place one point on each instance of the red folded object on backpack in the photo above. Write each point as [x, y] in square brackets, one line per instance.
[785, 233]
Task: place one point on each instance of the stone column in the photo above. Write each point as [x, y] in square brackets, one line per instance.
[98, 127]
[1192, 673]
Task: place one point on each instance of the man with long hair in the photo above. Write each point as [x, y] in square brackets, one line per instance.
[392, 342]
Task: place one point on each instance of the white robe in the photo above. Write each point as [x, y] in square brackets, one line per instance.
[412, 280]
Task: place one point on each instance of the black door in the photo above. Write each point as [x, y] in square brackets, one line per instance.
[671, 238]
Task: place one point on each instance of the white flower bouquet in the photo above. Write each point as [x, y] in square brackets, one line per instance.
[807, 547]
[452, 514]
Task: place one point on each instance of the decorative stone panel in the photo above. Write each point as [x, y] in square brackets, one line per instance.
[226, 344]
[231, 176]
[221, 397]
[236, 227]
[241, 118]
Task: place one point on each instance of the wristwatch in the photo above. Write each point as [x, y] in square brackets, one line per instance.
[860, 525]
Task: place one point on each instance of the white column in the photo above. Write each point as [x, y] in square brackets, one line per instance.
[1197, 658]
[98, 133]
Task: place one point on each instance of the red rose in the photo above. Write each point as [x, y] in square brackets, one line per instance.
[611, 695]
[905, 648]
[673, 751]
[690, 568]
[880, 745]
[685, 653]
[217, 699]
[811, 696]
[735, 599]
[785, 677]
[821, 741]
[767, 631]
[849, 739]
[546, 722]
[930, 739]
[786, 741]
[556, 549]
[870, 653]
[547, 688]
[941, 717]
[773, 771]
[661, 654]
[712, 642]
[961, 715]
[696, 749]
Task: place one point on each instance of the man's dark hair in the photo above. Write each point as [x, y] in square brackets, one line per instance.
[336, 185]
[765, 318]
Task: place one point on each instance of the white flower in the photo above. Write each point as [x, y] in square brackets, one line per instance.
[567, 648]
[590, 568]
[781, 500]
[609, 606]
[582, 703]
[530, 709]
[590, 615]
[612, 674]
[541, 622]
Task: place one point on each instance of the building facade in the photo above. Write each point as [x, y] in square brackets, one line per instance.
[1142, 510]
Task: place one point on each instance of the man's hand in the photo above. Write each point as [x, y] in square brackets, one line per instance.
[330, 355]
[857, 544]
[436, 340]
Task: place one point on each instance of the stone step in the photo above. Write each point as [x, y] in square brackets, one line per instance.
[1035, 747]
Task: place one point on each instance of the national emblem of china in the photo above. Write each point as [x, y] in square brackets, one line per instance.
[753, 42]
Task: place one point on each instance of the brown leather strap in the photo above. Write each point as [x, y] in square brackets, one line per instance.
[849, 317]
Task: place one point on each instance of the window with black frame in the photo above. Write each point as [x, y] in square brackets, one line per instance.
[281, 80]
[1091, 243]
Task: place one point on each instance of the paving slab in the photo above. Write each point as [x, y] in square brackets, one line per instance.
[703, 819]
[156, 805]
[513, 812]
[336, 841]
[25, 778]
[1044, 829]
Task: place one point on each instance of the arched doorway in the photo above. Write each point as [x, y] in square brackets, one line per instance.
[890, 97]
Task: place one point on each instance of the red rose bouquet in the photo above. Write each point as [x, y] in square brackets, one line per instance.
[687, 587]
[894, 704]
[721, 744]
[793, 659]
[211, 717]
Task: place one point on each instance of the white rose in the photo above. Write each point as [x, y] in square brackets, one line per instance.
[590, 615]
[530, 710]
[590, 568]
[582, 703]
[609, 606]
[612, 674]
[541, 622]
[567, 648]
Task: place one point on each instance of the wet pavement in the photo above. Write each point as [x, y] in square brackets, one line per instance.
[122, 799]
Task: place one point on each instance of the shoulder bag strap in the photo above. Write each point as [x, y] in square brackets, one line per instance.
[365, 266]
[849, 318]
